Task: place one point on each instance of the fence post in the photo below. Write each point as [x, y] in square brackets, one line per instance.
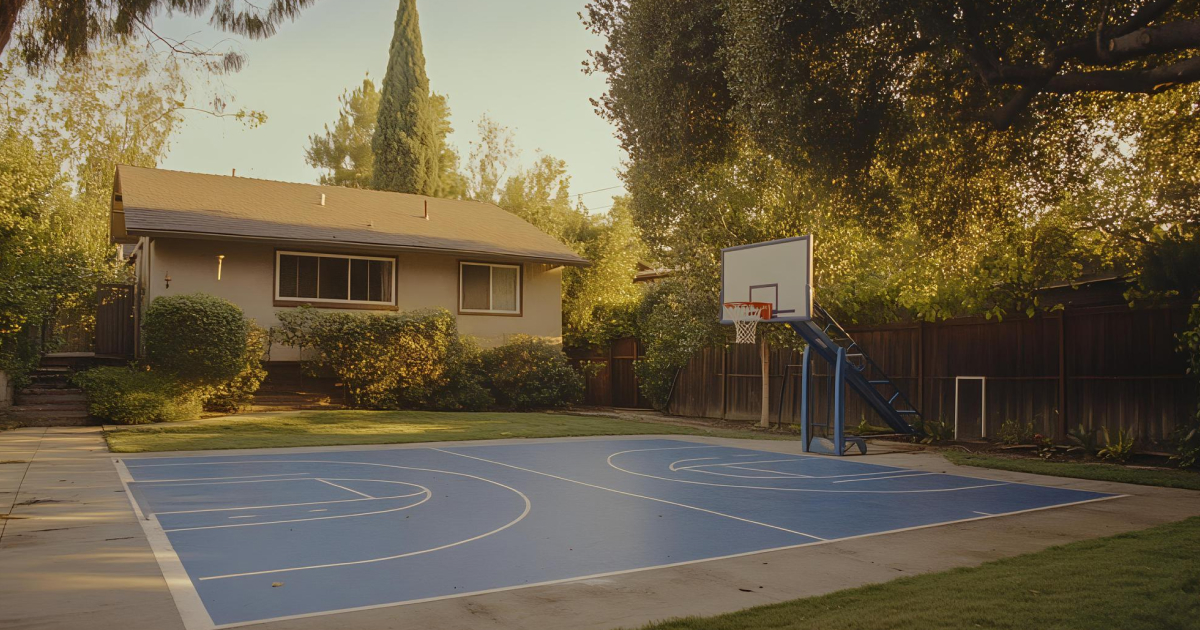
[1062, 374]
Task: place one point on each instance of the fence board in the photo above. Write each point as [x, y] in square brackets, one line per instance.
[1101, 366]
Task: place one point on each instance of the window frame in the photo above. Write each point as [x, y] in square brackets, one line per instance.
[335, 302]
[520, 310]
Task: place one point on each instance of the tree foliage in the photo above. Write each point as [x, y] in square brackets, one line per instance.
[777, 117]
[62, 139]
[48, 33]
[407, 144]
[870, 125]
[344, 154]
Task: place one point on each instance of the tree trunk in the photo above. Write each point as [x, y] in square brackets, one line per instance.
[765, 353]
[8, 20]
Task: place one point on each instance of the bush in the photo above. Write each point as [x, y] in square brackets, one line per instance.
[1120, 448]
[1013, 433]
[124, 395]
[199, 338]
[464, 385]
[530, 373]
[236, 394]
[385, 360]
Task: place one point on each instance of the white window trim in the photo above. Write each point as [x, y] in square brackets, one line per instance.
[304, 300]
[491, 293]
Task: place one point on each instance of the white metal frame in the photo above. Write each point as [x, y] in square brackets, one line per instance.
[391, 280]
[982, 403]
[491, 293]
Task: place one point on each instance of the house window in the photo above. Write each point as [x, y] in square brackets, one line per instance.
[486, 288]
[302, 277]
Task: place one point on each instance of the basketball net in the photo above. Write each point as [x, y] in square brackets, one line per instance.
[745, 316]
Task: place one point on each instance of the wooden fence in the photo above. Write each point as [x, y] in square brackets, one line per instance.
[1101, 367]
[610, 381]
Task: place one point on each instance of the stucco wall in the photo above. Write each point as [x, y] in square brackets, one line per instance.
[423, 281]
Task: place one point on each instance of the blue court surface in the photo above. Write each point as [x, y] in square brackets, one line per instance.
[353, 529]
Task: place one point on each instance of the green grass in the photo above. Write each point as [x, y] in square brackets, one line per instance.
[330, 428]
[1167, 478]
[1142, 580]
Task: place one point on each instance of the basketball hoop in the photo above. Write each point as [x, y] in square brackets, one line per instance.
[745, 316]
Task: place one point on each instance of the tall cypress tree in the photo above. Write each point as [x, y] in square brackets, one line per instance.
[407, 144]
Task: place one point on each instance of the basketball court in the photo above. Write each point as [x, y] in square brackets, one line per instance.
[247, 538]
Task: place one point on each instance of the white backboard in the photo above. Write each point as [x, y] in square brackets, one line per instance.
[778, 272]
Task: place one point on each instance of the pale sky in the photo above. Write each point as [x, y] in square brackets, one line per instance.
[517, 61]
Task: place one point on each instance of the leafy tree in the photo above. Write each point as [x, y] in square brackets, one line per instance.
[344, 151]
[489, 160]
[600, 302]
[49, 33]
[407, 145]
[44, 268]
[62, 139]
[541, 195]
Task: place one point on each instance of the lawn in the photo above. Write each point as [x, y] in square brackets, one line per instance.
[331, 428]
[1167, 478]
[1142, 580]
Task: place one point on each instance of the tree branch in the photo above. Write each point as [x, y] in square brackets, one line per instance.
[1148, 81]
[1156, 40]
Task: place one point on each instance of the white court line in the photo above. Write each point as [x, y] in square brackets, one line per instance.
[230, 483]
[361, 494]
[191, 609]
[245, 516]
[764, 461]
[815, 490]
[528, 507]
[983, 513]
[630, 494]
[283, 505]
[195, 617]
[220, 478]
[427, 494]
[916, 474]
[424, 491]
[595, 576]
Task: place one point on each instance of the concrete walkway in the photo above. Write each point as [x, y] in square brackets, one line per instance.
[73, 556]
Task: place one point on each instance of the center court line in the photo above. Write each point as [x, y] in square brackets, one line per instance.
[630, 494]
[283, 505]
[361, 494]
[882, 478]
[222, 478]
[427, 494]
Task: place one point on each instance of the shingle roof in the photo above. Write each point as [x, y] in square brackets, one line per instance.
[159, 202]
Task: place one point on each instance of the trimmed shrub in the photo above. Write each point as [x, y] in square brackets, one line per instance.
[385, 360]
[530, 373]
[124, 395]
[199, 338]
[464, 385]
[236, 394]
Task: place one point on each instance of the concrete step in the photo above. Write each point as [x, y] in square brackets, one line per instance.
[71, 408]
[51, 396]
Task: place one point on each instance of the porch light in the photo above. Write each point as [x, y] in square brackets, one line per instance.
[220, 259]
[167, 280]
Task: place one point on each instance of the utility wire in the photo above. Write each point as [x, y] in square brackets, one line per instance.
[599, 190]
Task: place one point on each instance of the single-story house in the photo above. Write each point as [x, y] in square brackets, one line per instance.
[268, 246]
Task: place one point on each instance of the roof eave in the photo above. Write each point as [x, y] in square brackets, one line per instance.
[497, 256]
